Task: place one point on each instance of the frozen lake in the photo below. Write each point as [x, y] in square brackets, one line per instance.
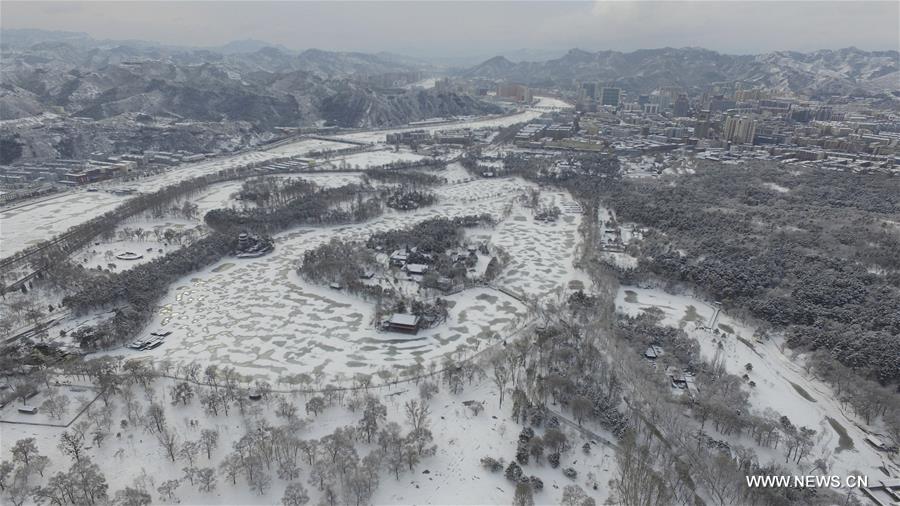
[260, 317]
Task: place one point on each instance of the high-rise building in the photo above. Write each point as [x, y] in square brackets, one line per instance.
[739, 129]
[703, 126]
[682, 107]
[590, 90]
[824, 113]
[651, 108]
[610, 96]
[661, 99]
[516, 92]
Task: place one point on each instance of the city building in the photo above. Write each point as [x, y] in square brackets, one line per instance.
[682, 107]
[590, 91]
[514, 92]
[610, 96]
[739, 129]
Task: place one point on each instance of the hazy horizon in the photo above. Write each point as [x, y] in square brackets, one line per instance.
[467, 30]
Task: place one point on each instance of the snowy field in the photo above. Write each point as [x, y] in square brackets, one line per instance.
[781, 383]
[462, 439]
[543, 254]
[302, 147]
[29, 224]
[152, 245]
[362, 161]
[544, 104]
[424, 84]
[77, 397]
[103, 255]
[260, 317]
[454, 173]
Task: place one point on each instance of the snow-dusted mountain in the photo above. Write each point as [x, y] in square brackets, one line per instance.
[267, 87]
[842, 71]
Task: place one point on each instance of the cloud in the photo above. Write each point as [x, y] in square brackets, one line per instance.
[457, 28]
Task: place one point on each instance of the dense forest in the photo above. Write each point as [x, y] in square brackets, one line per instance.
[811, 251]
[403, 177]
[309, 207]
[430, 237]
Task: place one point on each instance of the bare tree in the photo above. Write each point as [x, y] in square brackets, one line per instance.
[524, 495]
[417, 414]
[189, 451]
[294, 495]
[24, 451]
[169, 441]
[501, 378]
[155, 418]
[72, 444]
[167, 490]
[24, 389]
[636, 483]
[206, 477]
[56, 406]
[209, 440]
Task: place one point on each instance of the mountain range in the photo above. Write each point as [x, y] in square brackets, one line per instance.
[843, 71]
[70, 74]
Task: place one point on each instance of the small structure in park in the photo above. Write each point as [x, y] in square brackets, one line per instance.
[398, 258]
[253, 246]
[683, 380]
[129, 255]
[878, 442]
[416, 269]
[401, 322]
[155, 341]
[441, 283]
[885, 493]
[679, 380]
[653, 352]
[28, 410]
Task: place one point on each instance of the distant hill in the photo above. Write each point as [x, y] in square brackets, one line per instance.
[842, 71]
[70, 73]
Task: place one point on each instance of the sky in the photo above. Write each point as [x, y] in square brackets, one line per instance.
[476, 28]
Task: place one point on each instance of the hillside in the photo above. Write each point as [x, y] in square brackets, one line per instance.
[72, 75]
[844, 71]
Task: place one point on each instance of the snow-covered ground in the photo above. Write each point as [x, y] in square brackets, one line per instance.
[424, 84]
[260, 317]
[29, 224]
[364, 160]
[77, 396]
[453, 475]
[543, 105]
[103, 255]
[32, 223]
[543, 254]
[25, 225]
[781, 383]
[305, 146]
[152, 245]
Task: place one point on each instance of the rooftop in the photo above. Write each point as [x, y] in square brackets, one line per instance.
[409, 320]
